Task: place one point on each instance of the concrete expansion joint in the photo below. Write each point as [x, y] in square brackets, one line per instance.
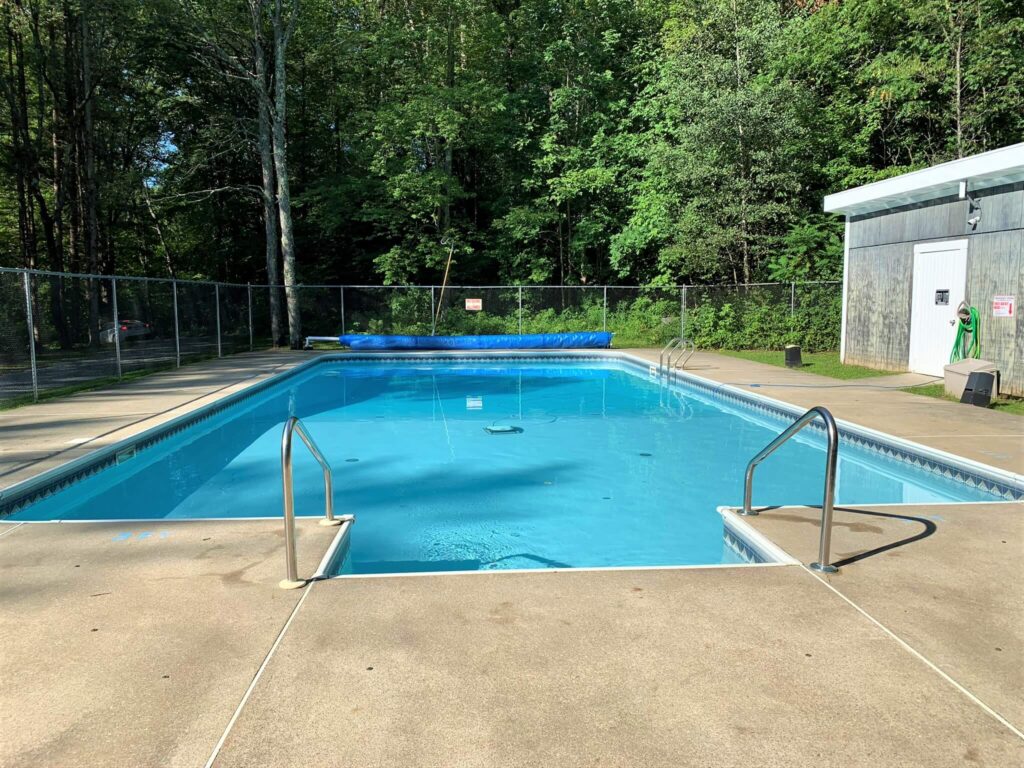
[825, 581]
[259, 673]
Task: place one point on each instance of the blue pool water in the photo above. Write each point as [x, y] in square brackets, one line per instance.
[606, 467]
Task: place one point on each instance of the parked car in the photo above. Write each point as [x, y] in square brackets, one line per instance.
[127, 329]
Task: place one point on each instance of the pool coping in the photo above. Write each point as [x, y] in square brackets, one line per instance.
[1007, 484]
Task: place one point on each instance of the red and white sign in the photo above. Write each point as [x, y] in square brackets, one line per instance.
[1003, 306]
[474, 305]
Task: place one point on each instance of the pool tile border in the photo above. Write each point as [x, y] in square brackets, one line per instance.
[28, 492]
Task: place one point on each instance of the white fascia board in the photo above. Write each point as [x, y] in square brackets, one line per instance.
[1000, 166]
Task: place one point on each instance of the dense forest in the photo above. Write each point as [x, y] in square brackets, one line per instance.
[512, 141]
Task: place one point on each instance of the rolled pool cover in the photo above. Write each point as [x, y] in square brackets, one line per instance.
[580, 340]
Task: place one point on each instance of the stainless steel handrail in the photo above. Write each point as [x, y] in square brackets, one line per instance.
[684, 347]
[292, 426]
[831, 458]
[661, 357]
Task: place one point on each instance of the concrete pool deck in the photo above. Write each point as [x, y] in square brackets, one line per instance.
[131, 644]
[911, 655]
[944, 578]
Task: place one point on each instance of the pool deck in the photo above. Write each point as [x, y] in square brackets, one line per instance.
[129, 649]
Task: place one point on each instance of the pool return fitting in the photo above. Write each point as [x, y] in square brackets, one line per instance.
[831, 456]
[292, 426]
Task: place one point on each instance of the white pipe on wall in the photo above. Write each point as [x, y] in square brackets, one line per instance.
[846, 284]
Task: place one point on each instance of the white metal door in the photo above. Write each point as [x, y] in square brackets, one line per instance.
[939, 285]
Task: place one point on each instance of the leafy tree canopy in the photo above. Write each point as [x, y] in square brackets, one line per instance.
[536, 141]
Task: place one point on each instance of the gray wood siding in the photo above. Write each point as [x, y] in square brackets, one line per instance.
[1002, 208]
[994, 262]
[943, 219]
[880, 274]
[878, 306]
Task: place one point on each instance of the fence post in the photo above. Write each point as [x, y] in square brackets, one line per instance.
[520, 310]
[682, 312]
[604, 311]
[216, 301]
[433, 314]
[117, 326]
[177, 336]
[342, 289]
[792, 299]
[249, 287]
[30, 321]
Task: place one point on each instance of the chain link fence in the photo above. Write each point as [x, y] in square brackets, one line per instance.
[90, 328]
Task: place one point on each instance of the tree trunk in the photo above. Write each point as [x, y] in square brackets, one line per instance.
[91, 221]
[959, 91]
[449, 81]
[265, 142]
[57, 257]
[168, 256]
[280, 145]
[21, 182]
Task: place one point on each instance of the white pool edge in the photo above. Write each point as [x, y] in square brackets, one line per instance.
[323, 570]
[767, 550]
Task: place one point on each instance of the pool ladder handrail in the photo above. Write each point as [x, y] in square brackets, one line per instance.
[292, 426]
[828, 502]
[678, 344]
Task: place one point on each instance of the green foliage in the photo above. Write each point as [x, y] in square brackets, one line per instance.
[539, 141]
[765, 320]
[811, 250]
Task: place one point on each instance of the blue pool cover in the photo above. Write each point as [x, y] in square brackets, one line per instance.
[580, 340]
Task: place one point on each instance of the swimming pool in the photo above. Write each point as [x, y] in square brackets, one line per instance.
[603, 466]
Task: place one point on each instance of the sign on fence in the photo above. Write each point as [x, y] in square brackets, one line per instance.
[474, 305]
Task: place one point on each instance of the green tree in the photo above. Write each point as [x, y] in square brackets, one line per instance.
[726, 144]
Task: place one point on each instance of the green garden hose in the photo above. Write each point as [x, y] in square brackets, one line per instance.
[967, 342]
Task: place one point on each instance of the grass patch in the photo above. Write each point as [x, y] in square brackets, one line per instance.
[327, 346]
[821, 363]
[1003, 403]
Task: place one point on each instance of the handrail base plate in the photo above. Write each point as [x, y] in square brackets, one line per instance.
[819, 568]
[289, 584]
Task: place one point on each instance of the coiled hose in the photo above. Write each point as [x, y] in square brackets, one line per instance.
[968, 343]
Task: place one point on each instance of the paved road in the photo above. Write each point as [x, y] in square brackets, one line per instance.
[101, 363]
